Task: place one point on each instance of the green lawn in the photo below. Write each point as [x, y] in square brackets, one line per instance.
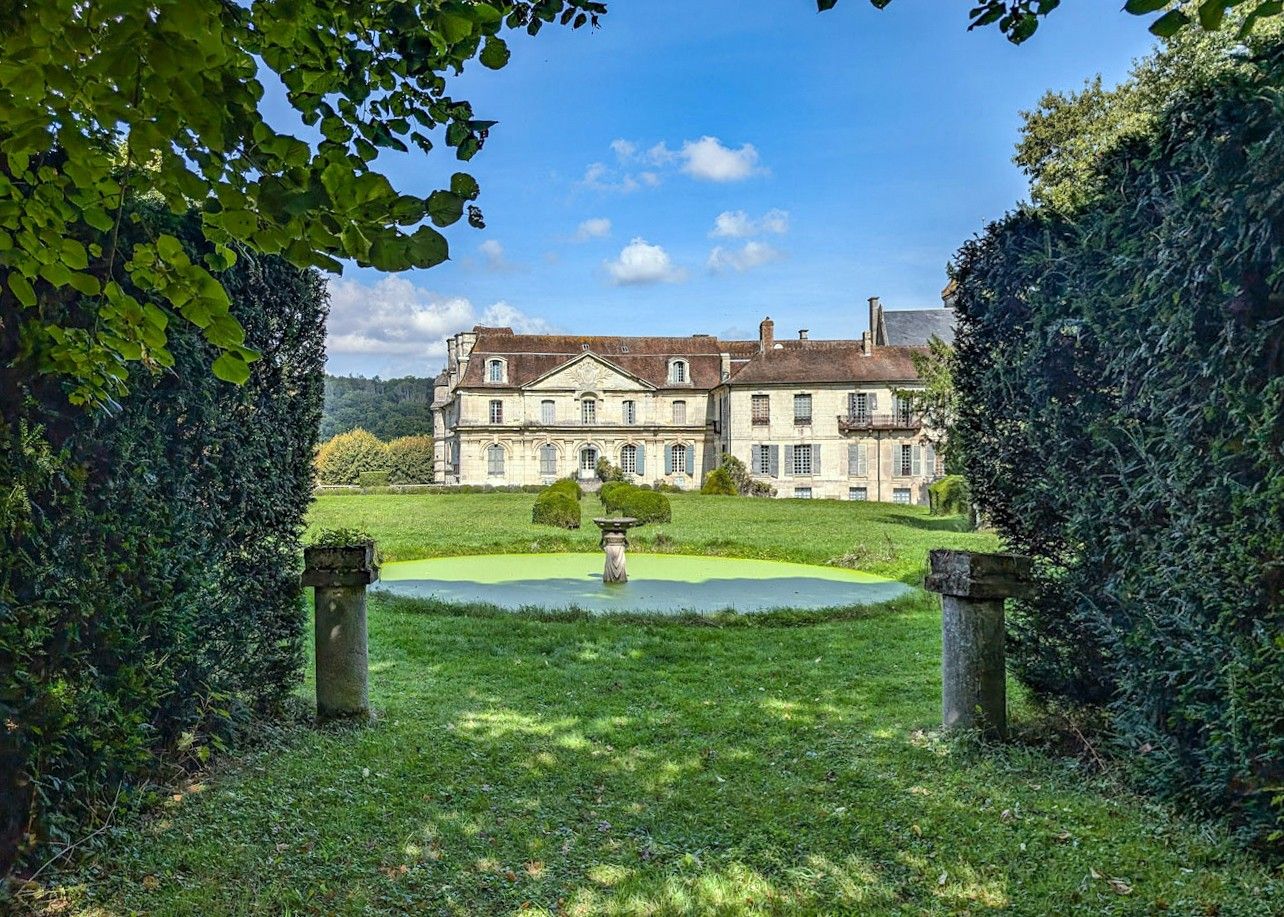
[610, 766]
[878, 537]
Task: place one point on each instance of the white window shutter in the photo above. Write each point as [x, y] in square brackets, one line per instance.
[789, 462]
[853, 458]
[755, 460]
[815, 459]
[917, 461]
[774, 469]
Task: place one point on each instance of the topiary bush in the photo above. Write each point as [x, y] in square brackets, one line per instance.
[719, 483]
[409, 460]
[1120, 381]
[556, 507]
[610, 494]
[342, 459]
[568, 486]
[645, 505]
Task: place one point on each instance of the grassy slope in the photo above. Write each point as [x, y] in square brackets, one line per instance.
[877, 537]
[610, 766]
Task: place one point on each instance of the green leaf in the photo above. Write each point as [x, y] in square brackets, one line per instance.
[428, 247]
[1169, 24]
[84, 283]
[464, 185]
[444, 207]
[1211, 13]
[822, 5]
[231, 368]
[22, 289]
[1142, 7]
[495, 54]
[455, 27]
[74, 255]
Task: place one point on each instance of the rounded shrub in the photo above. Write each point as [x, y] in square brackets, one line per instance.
[950, 496]
[719, 483]
[568, 486]
[341, 459]
[556, 507]
[646, 505]
[611, 493]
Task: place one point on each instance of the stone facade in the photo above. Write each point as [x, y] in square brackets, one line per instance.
[814, 419]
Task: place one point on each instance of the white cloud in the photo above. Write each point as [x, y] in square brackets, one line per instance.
[594, 228]
[601, 177]
[640, 262]
[736, 224]
[494, 259]
[624, 149]
[752, 255]
[708, 160]
[394, 317]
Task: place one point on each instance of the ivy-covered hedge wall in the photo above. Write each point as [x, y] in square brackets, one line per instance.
[1120, 377]
[149, 598]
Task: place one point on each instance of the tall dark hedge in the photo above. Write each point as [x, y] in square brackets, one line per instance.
[1121, 389]
[149, 602]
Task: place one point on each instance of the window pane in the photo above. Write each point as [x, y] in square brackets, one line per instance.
[802, 407]
[588, 459]
[630, 412]
[588, 410]
[761, 408]
[497, 412]
[901, 495]
[802, 493]
[629, 460]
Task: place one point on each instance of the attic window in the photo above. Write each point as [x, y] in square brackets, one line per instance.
[624, 348]
[584, 347]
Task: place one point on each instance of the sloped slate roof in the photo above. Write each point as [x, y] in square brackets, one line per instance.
[802, 365]
[530, 356]
[915, 327]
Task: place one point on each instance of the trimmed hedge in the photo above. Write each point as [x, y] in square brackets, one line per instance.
[568, 486]
[950, 496]
[556, 507]
[344, 458]
[149, 597]
[1121, 388]
[631, 500]
[373, 479]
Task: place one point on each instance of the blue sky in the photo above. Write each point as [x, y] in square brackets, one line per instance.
[848, 155]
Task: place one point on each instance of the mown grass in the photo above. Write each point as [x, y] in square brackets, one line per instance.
[564, 764]
[877, 537]
[627, 767]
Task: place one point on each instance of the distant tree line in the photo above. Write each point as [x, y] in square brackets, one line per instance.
[388, 408]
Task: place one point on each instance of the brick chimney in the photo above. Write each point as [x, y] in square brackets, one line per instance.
[766, 335]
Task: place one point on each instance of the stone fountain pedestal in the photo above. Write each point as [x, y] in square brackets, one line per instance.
[614, 540]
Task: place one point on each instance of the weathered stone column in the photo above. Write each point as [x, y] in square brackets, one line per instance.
[973, 588]
[341, 575]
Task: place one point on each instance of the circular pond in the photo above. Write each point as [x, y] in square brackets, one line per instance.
[658, 583]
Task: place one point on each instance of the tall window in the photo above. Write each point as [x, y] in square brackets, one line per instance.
[905, 464]
[588, 411]
[904, 408]
[495, 371]
[802, 460]
[547, 412]
[764, 459]
[548, 460]
[588, 459]
[496, 411]
[630, 412]
[678, 371]
[858, 405]
[761, 408]
[679, 459]
[629, 459]
[495, 459]
[802, 408]
[679, 412]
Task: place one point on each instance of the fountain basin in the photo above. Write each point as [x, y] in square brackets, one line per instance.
[658, 583]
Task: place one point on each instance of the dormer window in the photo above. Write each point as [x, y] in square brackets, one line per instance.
[678, 372]
[494, 370]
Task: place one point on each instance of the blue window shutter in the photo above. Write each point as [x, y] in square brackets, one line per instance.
[774, 461]
[668, 459]
[641, 463]
[789, 461]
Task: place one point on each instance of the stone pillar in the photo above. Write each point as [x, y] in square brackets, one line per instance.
[973, 660]
[341, 575]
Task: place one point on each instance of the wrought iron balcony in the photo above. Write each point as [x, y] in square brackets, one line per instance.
[901, 420]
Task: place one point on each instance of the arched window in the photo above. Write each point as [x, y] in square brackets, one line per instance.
[588, 460]
[679, 459]
[629, 459]
[548, 460]
[495, 371]
[678, 371]
[495, 459]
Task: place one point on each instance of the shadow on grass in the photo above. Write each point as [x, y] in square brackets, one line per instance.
[928, 523]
